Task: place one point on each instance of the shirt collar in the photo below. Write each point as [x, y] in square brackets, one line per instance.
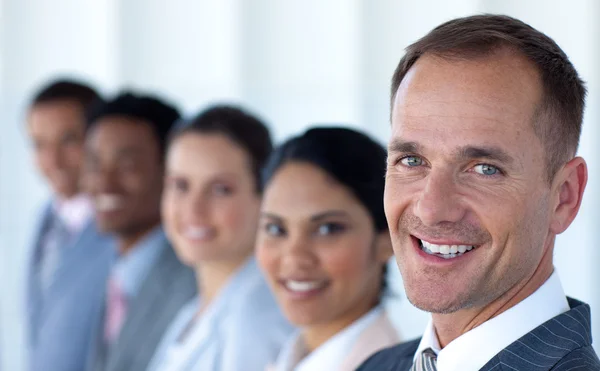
[329, 355]
[131, 269]
[494, 335]
[74, 212]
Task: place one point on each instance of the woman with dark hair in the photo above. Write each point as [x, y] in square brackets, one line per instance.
[210, 210]
[323, 244]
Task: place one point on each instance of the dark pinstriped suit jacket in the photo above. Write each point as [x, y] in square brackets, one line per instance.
[561, 344]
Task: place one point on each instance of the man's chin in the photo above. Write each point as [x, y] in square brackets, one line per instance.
[108, 227]
[438, 304]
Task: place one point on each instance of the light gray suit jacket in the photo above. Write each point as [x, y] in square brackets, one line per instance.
[62, 321]
[168, 286]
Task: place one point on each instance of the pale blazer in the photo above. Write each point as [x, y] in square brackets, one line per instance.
[378, 335]
[61, 323]
[243, 329]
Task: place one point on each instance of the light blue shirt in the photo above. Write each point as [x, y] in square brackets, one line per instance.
[131, 269]
[242, 329]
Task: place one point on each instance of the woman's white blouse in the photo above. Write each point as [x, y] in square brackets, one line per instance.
[330, 355]
[242, 329]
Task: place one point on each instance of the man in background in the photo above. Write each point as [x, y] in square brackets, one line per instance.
[148, 285]
[69, 259]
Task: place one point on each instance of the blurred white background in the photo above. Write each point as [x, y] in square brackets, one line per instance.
[294, 62]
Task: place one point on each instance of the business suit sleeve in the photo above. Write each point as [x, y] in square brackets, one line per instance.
[584, 359]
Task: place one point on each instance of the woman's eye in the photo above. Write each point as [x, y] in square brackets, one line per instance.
[411, 161]
[221, 190]
[330, 228]
[180, 185]
[274, 230]
[485, 169]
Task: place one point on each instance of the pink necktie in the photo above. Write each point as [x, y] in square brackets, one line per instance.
[116, 310]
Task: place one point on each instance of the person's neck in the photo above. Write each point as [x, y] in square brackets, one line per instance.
[129, 241]
[448, 327]
[213, 276]
[316, 335]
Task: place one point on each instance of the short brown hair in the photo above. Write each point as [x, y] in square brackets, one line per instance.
[65, 89]
[559, 117]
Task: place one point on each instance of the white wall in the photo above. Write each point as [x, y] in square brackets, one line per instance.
[296, 63]
[38, 39]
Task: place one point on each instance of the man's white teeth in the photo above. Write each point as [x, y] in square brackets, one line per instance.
[303, 286]
[198, 233]
[445, 251]
[108, 202]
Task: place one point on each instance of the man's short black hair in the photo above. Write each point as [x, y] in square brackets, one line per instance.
[156, 113]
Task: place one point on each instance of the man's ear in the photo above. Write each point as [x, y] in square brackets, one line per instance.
[383, 246]
[569, 183]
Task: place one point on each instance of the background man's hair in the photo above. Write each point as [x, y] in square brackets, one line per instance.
[65, 89]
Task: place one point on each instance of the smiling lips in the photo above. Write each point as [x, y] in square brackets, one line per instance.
[304, 289]
[445, 251]
[198, 234]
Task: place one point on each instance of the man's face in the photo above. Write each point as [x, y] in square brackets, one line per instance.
[124, 173]
[467, 198]
[57, 131]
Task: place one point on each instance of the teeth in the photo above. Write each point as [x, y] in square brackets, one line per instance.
[303, 286]
[197, 233]
[108, 202]
[445, 251]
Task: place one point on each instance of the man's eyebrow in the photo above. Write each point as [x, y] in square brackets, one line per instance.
[492, 153]
[401, 146]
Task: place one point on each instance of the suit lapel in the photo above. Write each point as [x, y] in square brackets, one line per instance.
[547, 344]
[34, 291]
[154, 308]
[84, 249]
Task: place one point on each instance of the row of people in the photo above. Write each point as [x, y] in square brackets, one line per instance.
[198, 187]
[212, 251]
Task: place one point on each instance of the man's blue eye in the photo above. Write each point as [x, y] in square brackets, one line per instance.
[412, 161]
[485, 169]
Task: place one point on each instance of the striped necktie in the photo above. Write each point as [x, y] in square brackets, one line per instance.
[427, 361]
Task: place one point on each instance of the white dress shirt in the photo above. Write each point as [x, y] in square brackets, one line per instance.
[330, 355]
[473, 349]
[74, 212]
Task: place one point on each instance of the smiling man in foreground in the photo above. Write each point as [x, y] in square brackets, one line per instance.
[482, 176]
